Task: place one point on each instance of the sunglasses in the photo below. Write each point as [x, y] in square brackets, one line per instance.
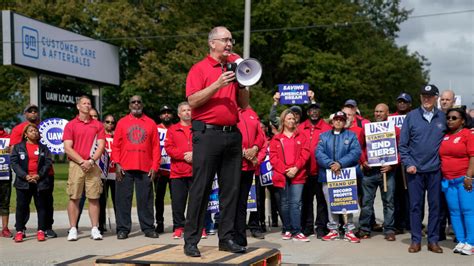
[136, 101]
[109, 122]
[454, 118]
[32, 111]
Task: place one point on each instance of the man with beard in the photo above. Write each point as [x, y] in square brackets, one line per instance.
[163, 178]
[136, 153]
[312, 128]
[32, 116]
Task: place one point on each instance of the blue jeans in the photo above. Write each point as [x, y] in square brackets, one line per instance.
[461, 209]
[290, 202]
[370, 183]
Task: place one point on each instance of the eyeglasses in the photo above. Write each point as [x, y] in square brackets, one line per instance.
[226, 40]
[109, 122]
[136, 101]
[454, 118]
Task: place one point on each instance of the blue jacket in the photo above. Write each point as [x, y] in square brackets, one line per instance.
[420, 140]
[342, 148]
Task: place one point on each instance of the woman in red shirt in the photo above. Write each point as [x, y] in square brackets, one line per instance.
[289, 152]
[31, 162]
[457, 165]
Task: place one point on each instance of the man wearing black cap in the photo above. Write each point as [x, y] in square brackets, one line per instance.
[163, 179]
[312, 128]
[32, 116]
[421, 136]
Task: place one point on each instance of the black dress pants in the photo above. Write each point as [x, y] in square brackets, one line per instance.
[160, 190]
[144, 195]
[179, 196]
[109, 185]
[240, 235]
[23, 200]
[214, 151]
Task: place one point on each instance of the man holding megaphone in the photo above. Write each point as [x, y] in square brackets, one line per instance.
[214, 97]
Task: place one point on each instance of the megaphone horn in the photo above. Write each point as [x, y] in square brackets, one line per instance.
[248, 72]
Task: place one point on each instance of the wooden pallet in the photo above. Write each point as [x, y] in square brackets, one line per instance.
[173, 255]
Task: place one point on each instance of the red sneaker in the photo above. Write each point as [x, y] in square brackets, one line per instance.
[178, 233]
[300, 237]
[349, 236]
[6, 232]
[19, 237]
[204, 234]
[40, 235]
[332, 235]
[286, 236]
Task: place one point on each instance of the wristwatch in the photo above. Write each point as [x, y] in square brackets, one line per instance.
[91, 161]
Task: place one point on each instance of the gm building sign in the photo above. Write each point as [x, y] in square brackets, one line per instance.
[28, 43]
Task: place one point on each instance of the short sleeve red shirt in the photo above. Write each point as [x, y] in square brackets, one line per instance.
[455, 151]
[33, 152]
[83, 135]
[221, 109]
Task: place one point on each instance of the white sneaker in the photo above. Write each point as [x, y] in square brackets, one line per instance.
[72, 235]
[95, 233]
[458, 247]
[467, 249]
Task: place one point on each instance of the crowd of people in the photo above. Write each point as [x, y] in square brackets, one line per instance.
[219, 134]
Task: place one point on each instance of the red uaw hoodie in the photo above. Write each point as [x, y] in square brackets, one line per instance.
[279, 155]
[178, 141]
[312, 133]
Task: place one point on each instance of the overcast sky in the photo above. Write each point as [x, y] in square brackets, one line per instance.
[447, 41]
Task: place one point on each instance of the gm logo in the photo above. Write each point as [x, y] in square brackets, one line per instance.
[30, 42]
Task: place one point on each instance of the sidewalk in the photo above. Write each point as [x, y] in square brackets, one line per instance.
[374, 251]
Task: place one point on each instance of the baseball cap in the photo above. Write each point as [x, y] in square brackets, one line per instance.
[351, 102]
[340, 115]
[30, 106]
[429, 89]
[165, 108]
[314, 105]
[404, 96]
[296, 109]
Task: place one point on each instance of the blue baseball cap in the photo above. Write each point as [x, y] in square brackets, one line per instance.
[404, 96]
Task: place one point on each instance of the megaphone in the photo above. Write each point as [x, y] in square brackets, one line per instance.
[247, 71]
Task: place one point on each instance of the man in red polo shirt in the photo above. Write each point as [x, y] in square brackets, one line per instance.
[213, 96]
[136, 153]
[84, 143]
[312, 128]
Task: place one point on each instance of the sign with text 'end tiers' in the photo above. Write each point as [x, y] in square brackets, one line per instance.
[36, 45]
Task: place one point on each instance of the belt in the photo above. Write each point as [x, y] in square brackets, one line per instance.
[222, 128]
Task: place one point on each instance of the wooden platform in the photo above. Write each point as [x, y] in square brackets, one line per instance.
[174, 255]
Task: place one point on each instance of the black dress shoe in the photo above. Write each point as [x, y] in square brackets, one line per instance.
[151, 234]
[231, 246]
[257, 234]
[122, 235]
[191, 250]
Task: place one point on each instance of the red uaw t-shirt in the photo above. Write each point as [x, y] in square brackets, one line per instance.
[455, 151]
[33, 155]
[221, 109]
